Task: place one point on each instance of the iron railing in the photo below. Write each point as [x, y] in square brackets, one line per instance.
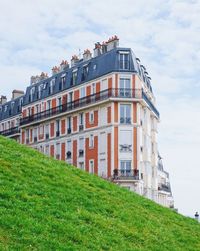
[91, 99]
[131, 174]
[10, 132]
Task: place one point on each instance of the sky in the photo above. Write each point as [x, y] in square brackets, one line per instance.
[164, 34]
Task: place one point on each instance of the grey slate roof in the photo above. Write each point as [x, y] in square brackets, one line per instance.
[97, 67]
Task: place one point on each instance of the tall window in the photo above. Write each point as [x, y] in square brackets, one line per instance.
[91, 166]
[91, 141]
[63, 80]
[125, 85]
[32, 92]
[82, 95]
[125, 114]
[40, 91]
[124, 61]
[81, 118]
[57, 128]
[69, 121]
[81, 143]
[85, 72]
[52, 84]
[74, 77]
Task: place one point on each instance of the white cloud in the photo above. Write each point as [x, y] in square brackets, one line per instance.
[35, 35]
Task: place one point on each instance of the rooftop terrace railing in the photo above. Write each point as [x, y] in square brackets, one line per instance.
[9, 132]
[164, 187]
[91, 99]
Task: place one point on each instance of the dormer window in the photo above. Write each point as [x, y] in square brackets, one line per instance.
[74, 77]
[85, 72]
[40, 91]
[5, 108]
[124, 61]
[32, 92]
[52, 84]
[12, 105]
[62, 82]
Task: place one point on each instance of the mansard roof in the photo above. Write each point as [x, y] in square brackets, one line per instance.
[11, 108]
[98, 66]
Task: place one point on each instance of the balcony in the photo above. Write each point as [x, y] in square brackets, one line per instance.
[164, 187]
[121, 174]
[92, 99]
[10, 132]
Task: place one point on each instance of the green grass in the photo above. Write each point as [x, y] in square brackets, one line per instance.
[48, 205]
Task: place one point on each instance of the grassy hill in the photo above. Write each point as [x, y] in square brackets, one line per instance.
[48, 205]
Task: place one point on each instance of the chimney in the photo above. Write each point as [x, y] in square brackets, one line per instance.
[43, 76]
[33, 80]
[64, 65]
[3, 100]
[17, 94]
[74, 60]
[112, 43]
[55, 70]
[104, 47]
[87, 55]
[97, 49]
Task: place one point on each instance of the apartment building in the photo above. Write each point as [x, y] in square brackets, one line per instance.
[98, 113]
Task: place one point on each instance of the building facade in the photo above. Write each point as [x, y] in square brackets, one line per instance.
[98, 114]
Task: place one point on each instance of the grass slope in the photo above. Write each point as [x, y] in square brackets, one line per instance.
[48, 205]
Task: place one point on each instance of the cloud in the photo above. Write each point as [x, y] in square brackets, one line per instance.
[36, 35]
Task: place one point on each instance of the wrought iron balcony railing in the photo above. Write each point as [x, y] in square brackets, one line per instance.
[10, 132]
[130, 174]
[94, 98]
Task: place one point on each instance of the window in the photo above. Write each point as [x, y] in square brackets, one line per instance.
[74, 77]
[57, 128]
[81, 121]
[47, 149]
[58, 151]
[124, 61]
[59, 102]
[47, 131]
[70, 97]
[91, 166]
[91, 117]
[82, 94]
[35, 134]
[125, 114]
[93, 88]
[69, 121]
[69, 149]
[52, 84]
[91, 141]
[63, 80]
[81, 143]
[41, 130]
[81, 165]
[125, 167]
[48, 104]
[32, 92]
[81, 118]
[37, 108]
[125, 86]
[40, 91]
[85, 72]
